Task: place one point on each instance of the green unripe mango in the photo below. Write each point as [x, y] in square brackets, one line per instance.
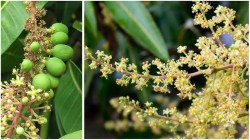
[54, 81]
[35, 46]
[41, 81]
[25, 100]
[59, 27]
[26, 65]
[63, 52]
[20, 130]
[59, 38]
[55, 66]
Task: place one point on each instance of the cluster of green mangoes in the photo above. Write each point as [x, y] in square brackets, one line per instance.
[55, 65]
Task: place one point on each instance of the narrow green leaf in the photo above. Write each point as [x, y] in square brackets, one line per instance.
[68, 99]
[77, 25]
[74, 135]
[69, 9]
[89, 15]
[89, 74]
[135, 19]
[123, 44]
[14, 15]
[243, 14]
[65, 11]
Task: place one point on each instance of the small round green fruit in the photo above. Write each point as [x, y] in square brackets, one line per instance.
[25, 100]
[35, 46]
[19, 130]
[63, 52]
[55, 66]
[26, 65]
[54, 81]
[59, 27]
[42, 120]
[59, 38]
[41, 81]
[10, 116]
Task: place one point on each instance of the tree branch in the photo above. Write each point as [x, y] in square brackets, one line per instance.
[33, 10]
[164, 76]
[14, 122]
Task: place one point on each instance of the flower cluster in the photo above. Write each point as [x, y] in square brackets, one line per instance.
[222, 15]
[22, 105]
[17, 99]
[142, 118]
[217, 108]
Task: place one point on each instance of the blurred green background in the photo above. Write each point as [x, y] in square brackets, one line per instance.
[107, 28]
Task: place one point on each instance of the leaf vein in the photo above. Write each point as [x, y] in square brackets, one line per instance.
[74, 79]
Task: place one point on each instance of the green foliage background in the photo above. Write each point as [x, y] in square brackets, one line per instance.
[140, 31]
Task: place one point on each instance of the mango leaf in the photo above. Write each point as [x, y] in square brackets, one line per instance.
[243, 15]
[68, 100]
[77, 25]
[74, 135]
[165, 14]
[69, 9]
[13, 19]
[89, 74]
[12, 57]
[65, 11]
[89, 16]
[135, 19]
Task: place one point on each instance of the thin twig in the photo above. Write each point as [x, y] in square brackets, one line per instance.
[163, 117]
[24, 118]
[32, 101]
[243, 114]
[37, 108]
[14, 122]
[170, 119]
[32, 111]
[231, 85]
[33, 10]
[165, 76]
